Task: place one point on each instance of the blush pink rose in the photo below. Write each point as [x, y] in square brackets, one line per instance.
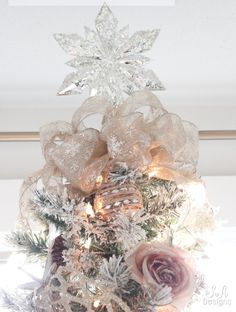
[155, 264]
[167, 308]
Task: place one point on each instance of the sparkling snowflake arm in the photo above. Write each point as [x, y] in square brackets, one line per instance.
[74, 83]
[141, 41]
[75, 45]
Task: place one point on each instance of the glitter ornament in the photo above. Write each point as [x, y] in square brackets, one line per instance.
[112, 198]
[108, 61]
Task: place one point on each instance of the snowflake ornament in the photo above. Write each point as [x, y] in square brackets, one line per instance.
[107, 61]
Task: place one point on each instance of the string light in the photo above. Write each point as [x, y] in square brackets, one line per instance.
[88, 243]
[99, 181]
[96, 303]
[99, 203]
[89, 210]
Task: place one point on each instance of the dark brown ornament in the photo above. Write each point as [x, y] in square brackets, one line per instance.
[57, 251]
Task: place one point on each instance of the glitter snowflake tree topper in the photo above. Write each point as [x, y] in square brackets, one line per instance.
[107, 61]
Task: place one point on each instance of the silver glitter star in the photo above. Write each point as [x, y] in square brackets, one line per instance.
[108, 61]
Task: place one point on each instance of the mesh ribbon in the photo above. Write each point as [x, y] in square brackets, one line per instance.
[158, 142]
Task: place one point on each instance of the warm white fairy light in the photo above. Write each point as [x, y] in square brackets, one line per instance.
[96, 303]
[99, 180]
[153, 172]
[88, 243]
[99, 203]
[89, 210]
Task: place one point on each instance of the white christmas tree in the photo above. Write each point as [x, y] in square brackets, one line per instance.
[111, 216]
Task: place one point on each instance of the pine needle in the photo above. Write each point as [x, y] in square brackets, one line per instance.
[29, 243]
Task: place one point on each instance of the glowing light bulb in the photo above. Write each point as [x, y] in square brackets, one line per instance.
[89, 210]
[99, 180]
[99, 203]
[88, 243]
[152, 172]
[96, 303]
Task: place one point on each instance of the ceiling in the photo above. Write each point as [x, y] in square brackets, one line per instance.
[90, 2]
[194, 56]
[195, 51]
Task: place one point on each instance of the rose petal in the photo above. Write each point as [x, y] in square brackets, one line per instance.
[154, 264]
